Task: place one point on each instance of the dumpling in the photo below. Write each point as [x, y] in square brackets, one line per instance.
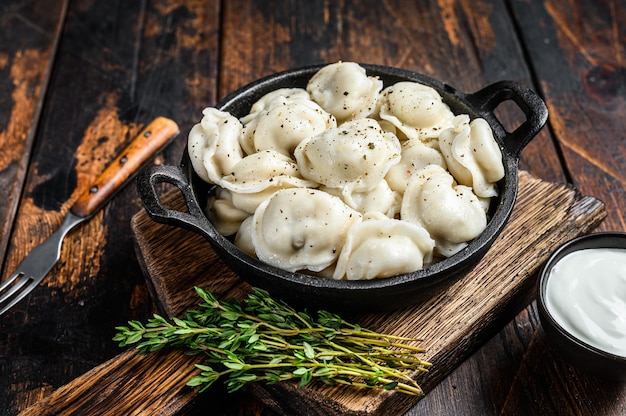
[380, 199]
[473, 156]
[284, 124]
[248, 202]
[223, 214]
[257, 176]
[415, 109]
[287, 94]
[262, 170]
[213, 145]
[451, 213]
[415, 156]
[354, 156]
[299, 229]
[381, 247]
[345, 90]
[243, 238]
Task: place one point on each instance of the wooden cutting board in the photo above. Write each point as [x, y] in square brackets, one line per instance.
[453, 323]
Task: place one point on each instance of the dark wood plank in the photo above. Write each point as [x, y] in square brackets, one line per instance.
[452, 323]
[579, 58]
[117, 66]
[577, 53]
[29, 36]
[468, 44]
[558, 388]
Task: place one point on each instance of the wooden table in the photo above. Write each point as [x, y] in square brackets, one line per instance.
[80, 78]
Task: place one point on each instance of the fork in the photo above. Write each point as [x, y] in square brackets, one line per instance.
[41, 259]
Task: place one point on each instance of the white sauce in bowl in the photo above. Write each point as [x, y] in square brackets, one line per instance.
[586, 295]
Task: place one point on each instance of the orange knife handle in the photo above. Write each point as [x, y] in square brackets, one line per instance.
[153, 138]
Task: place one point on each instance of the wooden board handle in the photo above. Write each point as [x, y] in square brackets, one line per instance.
[153, 138]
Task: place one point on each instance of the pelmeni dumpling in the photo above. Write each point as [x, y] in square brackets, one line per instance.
[223, 214]
[284, 124]
[288, 94]
[345, 90]
[380, 199]
[259, 175]
[243, 238]
[248, 202]
[413, 107]
[262, 170]
[380, 246]
[451, 213]
[473, 156]
[299, 229]
[415, 156]
[354, 156]
[213, 144]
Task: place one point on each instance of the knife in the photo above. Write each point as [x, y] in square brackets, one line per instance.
[38, 263]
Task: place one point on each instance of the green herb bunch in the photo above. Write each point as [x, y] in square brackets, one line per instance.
[263, 339]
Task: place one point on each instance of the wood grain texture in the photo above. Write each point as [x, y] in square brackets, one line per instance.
[119, 63]
[579, 54]
[467, 44]
[550, 382]
[25, 68]
[452, 324]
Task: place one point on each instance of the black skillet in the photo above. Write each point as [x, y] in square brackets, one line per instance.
[380, 294]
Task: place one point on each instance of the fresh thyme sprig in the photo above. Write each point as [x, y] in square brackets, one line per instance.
[263, 339]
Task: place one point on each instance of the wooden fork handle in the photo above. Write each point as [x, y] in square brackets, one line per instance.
[152, 139]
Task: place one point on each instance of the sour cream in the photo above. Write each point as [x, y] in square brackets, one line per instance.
[586, 295]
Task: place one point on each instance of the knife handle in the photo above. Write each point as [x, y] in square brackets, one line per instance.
[153, 138]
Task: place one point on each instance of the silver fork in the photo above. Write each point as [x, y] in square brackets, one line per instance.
[38, 263]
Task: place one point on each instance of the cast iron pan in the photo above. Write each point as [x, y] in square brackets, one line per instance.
[380, 294]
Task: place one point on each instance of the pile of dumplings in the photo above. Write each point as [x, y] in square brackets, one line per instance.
[346, 179]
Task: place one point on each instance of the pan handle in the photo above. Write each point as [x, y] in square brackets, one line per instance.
[147, 181]
[487, 99]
